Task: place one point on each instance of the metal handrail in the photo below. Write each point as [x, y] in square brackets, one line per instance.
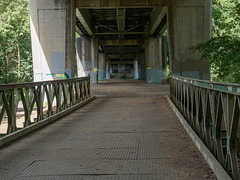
[213, 112]
[46, 98]
[221, 86]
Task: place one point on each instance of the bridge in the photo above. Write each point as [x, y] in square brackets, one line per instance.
[76, 122]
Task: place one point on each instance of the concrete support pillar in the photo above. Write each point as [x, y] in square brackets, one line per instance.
[111, 68]
[153, 52]
[101, 66]
[87, 57]
[142, 66]
[163, 51]
[135, 69]
[108, 69]
[53, 39]
[189, 23]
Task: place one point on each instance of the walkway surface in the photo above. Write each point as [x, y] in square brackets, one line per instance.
[129, 132]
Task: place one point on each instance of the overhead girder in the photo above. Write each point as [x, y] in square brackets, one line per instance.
[82, 16]
[121, 17]
[122, 56]
[158, 17]
[120, 62]
[121, 30]
[117, 42]
[119, 3]
[79, 31]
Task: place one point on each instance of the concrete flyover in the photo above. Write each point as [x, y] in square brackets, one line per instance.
[118, 30]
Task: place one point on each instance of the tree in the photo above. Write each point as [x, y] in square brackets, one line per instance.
[15, 42]
[223, 50]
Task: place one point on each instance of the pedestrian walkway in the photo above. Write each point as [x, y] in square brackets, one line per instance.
[129, 132]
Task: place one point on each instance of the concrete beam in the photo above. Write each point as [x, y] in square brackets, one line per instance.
[121, 62]
[119, 3]
[163, 29]
[117, 56]
[117, 42]
[82, 15]
[121, 17]
[116, 33]
[79, 31]
[157, 17]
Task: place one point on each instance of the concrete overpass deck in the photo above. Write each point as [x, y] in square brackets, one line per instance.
[129, 132]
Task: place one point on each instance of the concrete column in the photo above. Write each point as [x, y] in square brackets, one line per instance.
[119, 68]
[142, 66]
[102, 66]
[87, 57]
[189, 23]
[53, 39]
[108, 69]
[111, 68]
[139, 72]
[163, 51]
[135, 69]
[153, 52]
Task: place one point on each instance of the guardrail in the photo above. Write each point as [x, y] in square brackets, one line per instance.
[212, 109]
[24, 105]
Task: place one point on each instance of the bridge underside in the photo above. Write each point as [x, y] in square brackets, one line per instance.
[117, 32]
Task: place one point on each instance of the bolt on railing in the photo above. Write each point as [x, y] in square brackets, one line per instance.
[37, 101]
[213, 111]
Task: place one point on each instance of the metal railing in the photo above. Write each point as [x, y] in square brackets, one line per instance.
[22, 105]
[213, 111]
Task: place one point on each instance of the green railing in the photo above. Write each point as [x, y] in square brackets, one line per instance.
[23, 105]
[213, 111]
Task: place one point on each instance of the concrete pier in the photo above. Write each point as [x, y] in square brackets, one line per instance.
[154, 64]
[87, 57]
[189, 23]
[102, 66]
[135, 69]
[53, 37]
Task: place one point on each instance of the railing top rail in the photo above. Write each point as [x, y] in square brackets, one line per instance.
[232, 88]
[40, 83]
[209, 82]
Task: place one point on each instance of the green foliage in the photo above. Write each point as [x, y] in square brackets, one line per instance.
[224, 55]
[15, 42]
[226, 18]
[223, 50]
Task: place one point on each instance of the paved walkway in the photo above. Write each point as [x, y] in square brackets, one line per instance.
[129, 132]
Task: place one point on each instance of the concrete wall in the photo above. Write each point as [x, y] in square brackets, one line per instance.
[53, 36]
[189, 23]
